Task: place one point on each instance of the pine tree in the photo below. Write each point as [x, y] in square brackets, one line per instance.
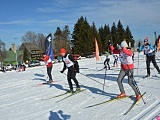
[96, 35]
[101, 34]
[25, 55]
[83, 41]
[107, 36]
[120, 32]
[61, 39]
[114, 37]
[129, 37]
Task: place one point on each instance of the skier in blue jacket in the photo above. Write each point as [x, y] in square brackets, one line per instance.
[149, 51]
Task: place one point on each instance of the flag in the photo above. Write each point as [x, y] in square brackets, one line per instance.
[48, 46]
[97, 50]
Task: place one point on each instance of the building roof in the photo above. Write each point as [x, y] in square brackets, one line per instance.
[31, 47]
[11, 56]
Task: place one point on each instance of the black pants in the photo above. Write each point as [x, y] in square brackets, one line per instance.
[49, 69]
[148, 61]
[72, 75]
[107, 62]
[115, 62]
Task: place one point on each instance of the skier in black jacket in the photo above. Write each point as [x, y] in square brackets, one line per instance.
[69, 63]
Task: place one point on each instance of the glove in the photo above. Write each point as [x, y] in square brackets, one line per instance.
[119, 47]
[62, 71]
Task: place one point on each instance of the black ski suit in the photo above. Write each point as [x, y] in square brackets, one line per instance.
[68, 59]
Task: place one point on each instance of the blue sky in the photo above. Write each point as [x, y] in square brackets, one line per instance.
[44, 16]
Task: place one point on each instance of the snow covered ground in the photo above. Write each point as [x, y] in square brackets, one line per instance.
[22, 99]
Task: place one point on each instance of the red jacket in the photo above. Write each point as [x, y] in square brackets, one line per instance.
[125, 57]
[111, 47]
[47, 60]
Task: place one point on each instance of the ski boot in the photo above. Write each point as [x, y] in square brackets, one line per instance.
[138, 96]
[78, 89]
[122, 95]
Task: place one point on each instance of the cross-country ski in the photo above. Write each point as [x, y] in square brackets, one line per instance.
[108, 101]
[134, 103]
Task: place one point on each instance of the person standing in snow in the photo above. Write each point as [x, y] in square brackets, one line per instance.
[69, 63]
[149, 51]
[49, 65]
[115, 64]
[106, 62]
[127, 68]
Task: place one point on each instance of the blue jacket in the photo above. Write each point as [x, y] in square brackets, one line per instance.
[148, 49]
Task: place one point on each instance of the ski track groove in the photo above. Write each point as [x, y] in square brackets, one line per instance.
[146, 111]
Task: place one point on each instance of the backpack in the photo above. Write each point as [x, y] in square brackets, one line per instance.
[76, 66]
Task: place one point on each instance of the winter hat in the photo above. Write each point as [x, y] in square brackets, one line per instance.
[124, 44]
[62, 50]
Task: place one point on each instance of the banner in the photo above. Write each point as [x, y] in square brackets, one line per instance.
[48, 46]
[97, 50]
[158, 44]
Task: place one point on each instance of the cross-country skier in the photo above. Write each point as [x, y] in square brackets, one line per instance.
[106, 62]
[69, 63]
[49, 65]
[115, 64]
[127, 67]
[149, 51]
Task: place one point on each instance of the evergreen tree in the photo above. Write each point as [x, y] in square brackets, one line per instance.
[129, 37]
[83, 40]
[83, 37]
[96, 35]
[114, 36]
[61, 39]
[107, 36]
[66, 33]
[57, 34]
[120, 32]
[25, 55]
[101, 34]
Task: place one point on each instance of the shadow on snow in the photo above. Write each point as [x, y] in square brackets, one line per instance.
[58, 115]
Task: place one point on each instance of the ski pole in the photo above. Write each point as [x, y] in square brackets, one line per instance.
[139, 44]
[139, 90]
[93, 79]
[136, 85]
[138, 64]
[83, 86]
